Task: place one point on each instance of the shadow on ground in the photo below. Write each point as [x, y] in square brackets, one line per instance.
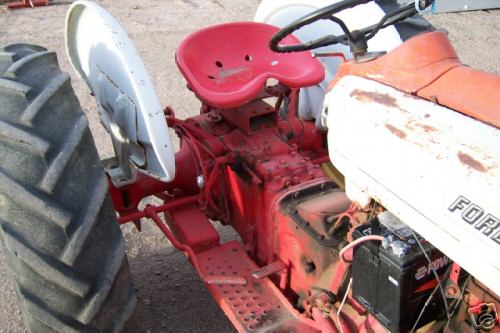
[171, 296]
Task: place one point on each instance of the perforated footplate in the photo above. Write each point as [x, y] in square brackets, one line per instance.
[258, 305]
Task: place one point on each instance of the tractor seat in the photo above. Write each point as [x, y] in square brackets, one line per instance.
[228, 65]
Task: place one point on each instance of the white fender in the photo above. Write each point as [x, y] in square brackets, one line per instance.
[103, 55]
[283, 12]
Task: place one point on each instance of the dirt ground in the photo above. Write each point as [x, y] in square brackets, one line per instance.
[171, 298]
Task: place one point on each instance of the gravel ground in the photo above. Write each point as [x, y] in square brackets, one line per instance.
[171, 296]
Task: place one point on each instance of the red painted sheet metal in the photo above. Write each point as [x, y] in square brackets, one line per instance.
[193, 228]
[409, 67]
[428, 66]
[469, 91]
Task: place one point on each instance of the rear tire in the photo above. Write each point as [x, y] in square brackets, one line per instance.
[57, 222]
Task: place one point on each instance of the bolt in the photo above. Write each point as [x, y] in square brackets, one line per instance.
[452, 290]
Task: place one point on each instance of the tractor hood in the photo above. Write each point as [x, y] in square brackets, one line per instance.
[436, 169]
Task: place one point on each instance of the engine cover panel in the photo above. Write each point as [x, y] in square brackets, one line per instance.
[434, 168]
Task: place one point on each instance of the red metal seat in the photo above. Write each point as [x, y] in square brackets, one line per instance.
[228, 65]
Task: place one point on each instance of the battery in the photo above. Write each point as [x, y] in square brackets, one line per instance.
[392, 279]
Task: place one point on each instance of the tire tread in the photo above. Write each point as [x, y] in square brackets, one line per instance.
[77, 279]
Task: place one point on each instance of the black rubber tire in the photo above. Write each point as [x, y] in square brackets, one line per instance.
[57, 223]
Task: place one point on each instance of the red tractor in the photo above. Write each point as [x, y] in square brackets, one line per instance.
[364, 185]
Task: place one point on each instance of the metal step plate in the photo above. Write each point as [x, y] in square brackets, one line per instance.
[258, 305]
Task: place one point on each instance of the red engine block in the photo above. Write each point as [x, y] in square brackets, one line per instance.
[260, 172]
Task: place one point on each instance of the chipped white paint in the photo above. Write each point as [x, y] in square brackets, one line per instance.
[434, 168]
[102, 54]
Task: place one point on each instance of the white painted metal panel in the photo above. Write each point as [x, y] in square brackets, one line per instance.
[434, 168]
[103, 55]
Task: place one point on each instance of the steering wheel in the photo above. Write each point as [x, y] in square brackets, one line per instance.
[357, 39]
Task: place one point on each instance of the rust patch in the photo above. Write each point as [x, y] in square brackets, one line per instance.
[258, 287]
[275, 321]
[427, 128]
[470, 162]
[229, 72]
[370, 96]
[396, 131]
